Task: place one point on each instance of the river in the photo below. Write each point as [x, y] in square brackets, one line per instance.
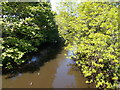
[56, 73]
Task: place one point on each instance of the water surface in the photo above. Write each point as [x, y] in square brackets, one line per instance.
[57, 73]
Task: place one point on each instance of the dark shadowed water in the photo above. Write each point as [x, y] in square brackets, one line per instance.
[57, 73]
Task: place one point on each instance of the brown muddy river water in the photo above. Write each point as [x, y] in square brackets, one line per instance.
[57, 73]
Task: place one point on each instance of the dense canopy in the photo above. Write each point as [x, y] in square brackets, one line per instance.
[26, 25]
[91, 32]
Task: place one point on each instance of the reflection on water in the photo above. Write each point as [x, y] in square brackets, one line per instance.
[57, 73]
[34, 59]
[62, 78]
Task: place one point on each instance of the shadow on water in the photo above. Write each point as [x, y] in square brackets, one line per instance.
[46, 52]
[43, 56]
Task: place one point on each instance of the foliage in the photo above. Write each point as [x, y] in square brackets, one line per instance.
[92, 28]
[26, 25]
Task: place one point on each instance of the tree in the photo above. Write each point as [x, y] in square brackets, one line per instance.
[94, 32]
[26, 25]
